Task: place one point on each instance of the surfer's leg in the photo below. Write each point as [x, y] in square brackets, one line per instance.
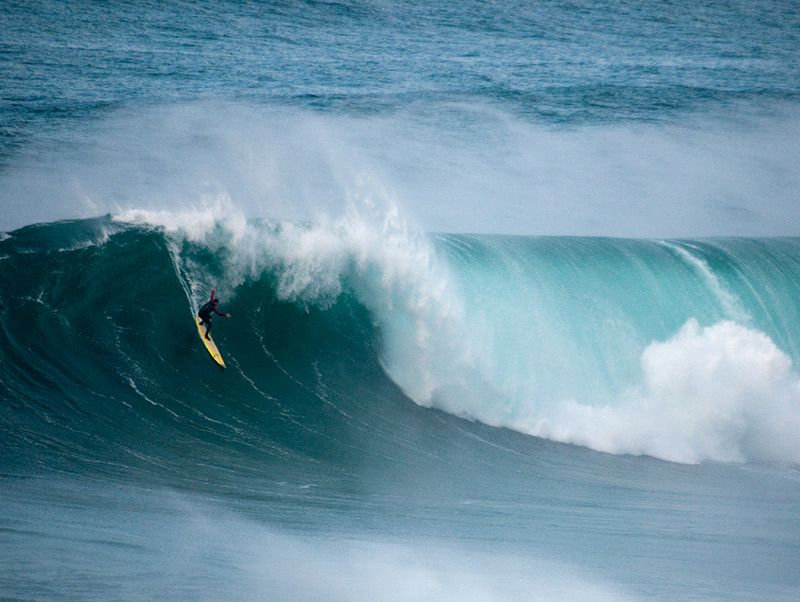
[208, 327]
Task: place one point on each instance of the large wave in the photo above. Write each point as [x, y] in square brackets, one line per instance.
[664, 348]
[681, 350]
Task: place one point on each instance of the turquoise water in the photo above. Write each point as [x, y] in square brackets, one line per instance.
[513, 286]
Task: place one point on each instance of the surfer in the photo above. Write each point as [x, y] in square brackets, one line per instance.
[205, 313]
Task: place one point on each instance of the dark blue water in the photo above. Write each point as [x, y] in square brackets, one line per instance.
[514, 297]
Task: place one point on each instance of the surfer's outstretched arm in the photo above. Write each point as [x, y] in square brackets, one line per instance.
[213, 307]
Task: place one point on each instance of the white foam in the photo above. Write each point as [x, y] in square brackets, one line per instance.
[194, 222]
[393, 269]
[723, 393]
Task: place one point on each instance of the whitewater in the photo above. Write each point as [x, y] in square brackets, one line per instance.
[514, 291]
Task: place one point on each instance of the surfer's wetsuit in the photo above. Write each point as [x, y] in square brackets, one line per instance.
[205, 312]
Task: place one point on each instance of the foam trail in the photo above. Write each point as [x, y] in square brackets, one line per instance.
[728, 301]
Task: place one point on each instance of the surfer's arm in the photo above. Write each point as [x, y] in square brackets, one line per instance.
[215, 310]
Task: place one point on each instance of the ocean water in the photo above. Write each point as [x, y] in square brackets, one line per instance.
[514, 291]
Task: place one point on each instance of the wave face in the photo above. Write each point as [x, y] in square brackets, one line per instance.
[101, 365]
[682, 350]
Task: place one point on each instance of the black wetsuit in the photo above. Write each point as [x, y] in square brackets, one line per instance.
[205, 314]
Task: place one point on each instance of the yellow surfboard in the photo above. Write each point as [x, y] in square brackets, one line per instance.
[209, 342]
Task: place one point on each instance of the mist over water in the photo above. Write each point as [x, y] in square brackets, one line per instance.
[457, 169]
